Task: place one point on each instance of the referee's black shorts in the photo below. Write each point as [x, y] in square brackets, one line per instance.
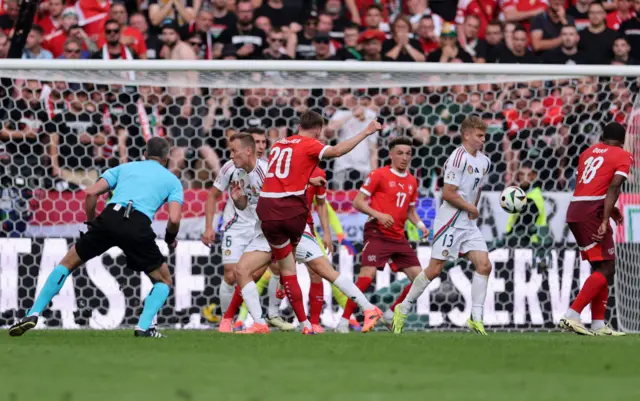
[133, 235]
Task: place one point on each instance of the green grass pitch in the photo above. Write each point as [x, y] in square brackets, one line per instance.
[203, 365]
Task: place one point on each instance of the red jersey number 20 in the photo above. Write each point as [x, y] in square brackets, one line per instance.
[282, 158]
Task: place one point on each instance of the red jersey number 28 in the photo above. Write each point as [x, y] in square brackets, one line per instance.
[282, 158]
[591, 166]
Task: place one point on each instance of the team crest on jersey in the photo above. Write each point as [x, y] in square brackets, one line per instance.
[410, 188]
[371, 258]
[470, 170]
[367, 181]
[227, 252]
[392, 184]
[445, 253]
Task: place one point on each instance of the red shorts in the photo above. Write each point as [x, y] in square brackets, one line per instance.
[590, 250]
[283, 235]
[379, 250]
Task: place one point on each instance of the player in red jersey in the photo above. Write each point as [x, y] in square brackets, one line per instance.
[393, 192]
[316, 288]
[282, 207]
[602, 170]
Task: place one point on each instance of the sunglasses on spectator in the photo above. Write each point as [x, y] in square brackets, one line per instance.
[110, 31]
[195, 43]
[74, 51]
[322, 41]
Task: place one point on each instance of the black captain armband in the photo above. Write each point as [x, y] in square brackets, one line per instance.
[169, 237]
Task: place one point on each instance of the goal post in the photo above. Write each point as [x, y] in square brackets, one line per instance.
[538, 115]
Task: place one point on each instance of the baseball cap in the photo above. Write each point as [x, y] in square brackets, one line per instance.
[322, 37]
[448, 31]
[169, 23]
[69, 11]
[370, 34]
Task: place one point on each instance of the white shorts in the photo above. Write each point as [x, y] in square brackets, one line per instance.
[234, 243]
[456, 242]
[308, 249]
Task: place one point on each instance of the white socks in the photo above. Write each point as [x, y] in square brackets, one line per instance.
[478, 294]
[226, 293]
[597, 324]
[418, 286]
[274, 303]
[349, 289]
[571, 314]
[252, 300]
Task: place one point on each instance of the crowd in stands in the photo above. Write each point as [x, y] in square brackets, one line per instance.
[63, 134]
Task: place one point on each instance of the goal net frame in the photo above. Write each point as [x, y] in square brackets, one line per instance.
[529, 299]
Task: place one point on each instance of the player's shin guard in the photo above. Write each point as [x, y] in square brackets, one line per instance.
[152, 305]
[352, 292]
[316, 301]
[418, 286]
[51, 287]
[226, 293]
[478, 294]
[274, 302]
[234, 305]
[294, 293]
[599, 308]
[401, 298]
[591, 288]
[252, 300]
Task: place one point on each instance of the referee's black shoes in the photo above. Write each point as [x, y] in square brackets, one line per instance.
[151, 332]
[25, 324]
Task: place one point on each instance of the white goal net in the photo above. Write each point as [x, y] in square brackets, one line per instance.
[64, 123]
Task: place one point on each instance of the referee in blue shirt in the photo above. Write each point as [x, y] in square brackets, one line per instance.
[139, 190]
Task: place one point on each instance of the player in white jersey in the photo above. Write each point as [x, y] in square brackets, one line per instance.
[456, 233]
[238, 224]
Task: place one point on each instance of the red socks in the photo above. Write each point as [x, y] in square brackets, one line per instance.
[316, 301]
[234, 305]
[363, 283]
[292, 289]
[599, 304]
[595, 284]
[401, 297]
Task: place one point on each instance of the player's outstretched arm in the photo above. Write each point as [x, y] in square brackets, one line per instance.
[91, 199]
[451, 195]
[347, 146]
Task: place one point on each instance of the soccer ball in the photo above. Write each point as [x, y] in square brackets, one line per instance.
[513, 199]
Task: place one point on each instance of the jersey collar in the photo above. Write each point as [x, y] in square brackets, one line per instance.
[399, 174]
